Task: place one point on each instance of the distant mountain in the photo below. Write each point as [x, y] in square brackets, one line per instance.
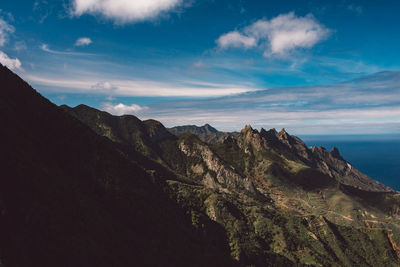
[82, 187]
[205, 133]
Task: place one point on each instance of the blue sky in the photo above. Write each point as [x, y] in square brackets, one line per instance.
[313, 67]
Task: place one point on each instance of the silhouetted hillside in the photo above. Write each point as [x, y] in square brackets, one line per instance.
[68, 197]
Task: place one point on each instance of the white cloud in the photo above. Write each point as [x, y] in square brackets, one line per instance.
[235, 39]
[5, 30]
[123, 11]
[47, 49]
[104, 86]
[122, 87]
[121, 109]
[10, 63]
[84, 41]
[278, 36]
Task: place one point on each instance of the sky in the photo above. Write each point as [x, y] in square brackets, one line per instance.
[311, 67]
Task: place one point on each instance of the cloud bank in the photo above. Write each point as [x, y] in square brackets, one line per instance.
[148, 88]
[123, 11]
[46, 48]
[361, 106]
[278, 36]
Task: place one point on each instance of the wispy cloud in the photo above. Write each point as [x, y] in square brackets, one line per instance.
[20, 45]
[5, 30]
[278, 36]
[121, 87]
[104, 86]
[84, 41]
[43, 9]
[122, 11]
[46, 48]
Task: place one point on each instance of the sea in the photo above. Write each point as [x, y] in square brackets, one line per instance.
[378, 156]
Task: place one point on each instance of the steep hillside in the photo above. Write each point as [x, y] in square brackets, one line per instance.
[69, 197]
[278, 201]
[94, 189]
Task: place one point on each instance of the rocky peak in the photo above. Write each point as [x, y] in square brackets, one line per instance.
[335, 153]
[271, 138]
[209, 128]
[156, 130]
[273, 130]
[249, 133]
[270, 134]
[246, 129]
[252, 136]
[283, 132]
[285, 138]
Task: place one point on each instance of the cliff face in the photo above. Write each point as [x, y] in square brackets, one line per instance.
[291, 148]
[85, 188]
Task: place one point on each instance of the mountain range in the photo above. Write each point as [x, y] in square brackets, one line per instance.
[81, 187]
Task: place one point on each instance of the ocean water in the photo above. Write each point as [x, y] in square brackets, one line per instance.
[376, 156]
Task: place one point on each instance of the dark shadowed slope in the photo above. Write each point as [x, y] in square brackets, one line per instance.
[68, 197]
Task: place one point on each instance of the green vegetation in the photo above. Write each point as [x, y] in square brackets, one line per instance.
[278, 202]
